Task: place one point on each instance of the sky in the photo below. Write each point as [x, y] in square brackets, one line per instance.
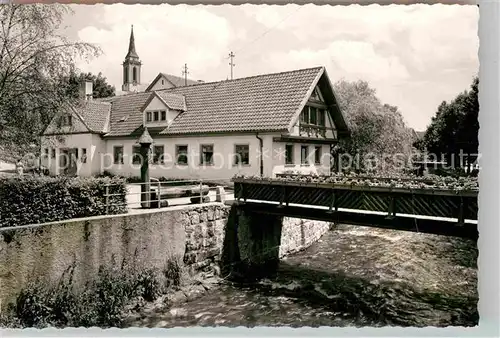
[415, 56]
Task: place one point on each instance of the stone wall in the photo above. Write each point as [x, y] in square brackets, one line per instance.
[45, 251]
[193, 235]
[298, 234]
[204, 228]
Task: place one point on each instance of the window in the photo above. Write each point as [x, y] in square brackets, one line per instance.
[134, 75]
[289, 154]
[148, 116]
[76, 153]
[63, 158]
[66, 120]
[314, 94]
[118, 154]
[53, 155]
[317, 155]
[155, 114]
[46, 151]
[181, 153]
[158, 154]
[313, 118]
[321, 117]
[125, 74]
[163, 115]
[207, 154]
[241, 154]
[162, 82]
[136, 155]
[304, 154]
[304, 116]
[84, 155]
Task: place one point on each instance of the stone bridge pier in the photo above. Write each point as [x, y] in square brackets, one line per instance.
[251, 248]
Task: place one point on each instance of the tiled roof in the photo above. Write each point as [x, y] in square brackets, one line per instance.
[95, 115]
[176, 81]
[92, 116]
[259, 103]
[179, 81]
[173, 101]
[126, 113]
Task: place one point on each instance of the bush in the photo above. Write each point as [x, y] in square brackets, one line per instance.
[32, 199]
[100, 303]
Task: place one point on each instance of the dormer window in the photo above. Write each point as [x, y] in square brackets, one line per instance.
[156, 116]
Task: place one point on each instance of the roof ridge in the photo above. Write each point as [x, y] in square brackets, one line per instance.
[245, 78]
[96, 101]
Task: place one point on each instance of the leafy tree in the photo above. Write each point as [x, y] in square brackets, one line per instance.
[377, 129]
[34, 58]
[454, 128]
[101, 88]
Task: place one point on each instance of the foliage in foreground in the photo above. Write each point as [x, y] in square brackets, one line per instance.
[35, 199]
[36, 57]
[100, 303]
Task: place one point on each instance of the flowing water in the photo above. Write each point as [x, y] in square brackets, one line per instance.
[353, 276]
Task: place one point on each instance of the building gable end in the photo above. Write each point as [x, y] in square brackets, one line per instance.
[305, 99]
[78, 124]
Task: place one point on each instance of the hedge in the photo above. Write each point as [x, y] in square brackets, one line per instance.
[34, 199]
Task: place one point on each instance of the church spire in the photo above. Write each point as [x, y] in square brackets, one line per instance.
[131, 66]
[131, 46]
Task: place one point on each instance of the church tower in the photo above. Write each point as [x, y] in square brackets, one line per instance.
[131, 67]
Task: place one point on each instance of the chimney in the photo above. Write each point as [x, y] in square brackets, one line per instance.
[86, 91]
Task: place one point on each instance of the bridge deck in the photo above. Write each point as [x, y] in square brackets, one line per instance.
[405, 222]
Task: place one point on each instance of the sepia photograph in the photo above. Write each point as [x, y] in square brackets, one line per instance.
[168, 166]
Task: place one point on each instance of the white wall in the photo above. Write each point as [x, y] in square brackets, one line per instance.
[279, 165]
[100, 154]
[94, 144]
[223, 167]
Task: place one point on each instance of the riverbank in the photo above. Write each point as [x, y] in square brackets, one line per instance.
[351, 276]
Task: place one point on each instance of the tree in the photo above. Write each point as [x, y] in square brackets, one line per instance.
[34, 57]
[101, 88]
[377, 129]
[454, 128]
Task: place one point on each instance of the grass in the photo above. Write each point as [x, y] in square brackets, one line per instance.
[101, 302]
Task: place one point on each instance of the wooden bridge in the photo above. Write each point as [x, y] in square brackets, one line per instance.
[442, 212]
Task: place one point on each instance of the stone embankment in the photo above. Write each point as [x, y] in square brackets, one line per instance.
[193, 235]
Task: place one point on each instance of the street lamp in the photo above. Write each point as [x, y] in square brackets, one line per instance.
[145, 141]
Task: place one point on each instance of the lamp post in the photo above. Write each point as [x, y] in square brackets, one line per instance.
[145, 141]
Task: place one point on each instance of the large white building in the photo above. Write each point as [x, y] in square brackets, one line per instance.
[259, 125]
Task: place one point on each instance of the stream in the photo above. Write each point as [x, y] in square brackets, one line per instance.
[353, 276]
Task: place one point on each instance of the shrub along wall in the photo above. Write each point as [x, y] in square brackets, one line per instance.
[30, 200]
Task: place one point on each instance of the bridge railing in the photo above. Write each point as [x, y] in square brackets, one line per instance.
[158, 194]
[460, 205]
